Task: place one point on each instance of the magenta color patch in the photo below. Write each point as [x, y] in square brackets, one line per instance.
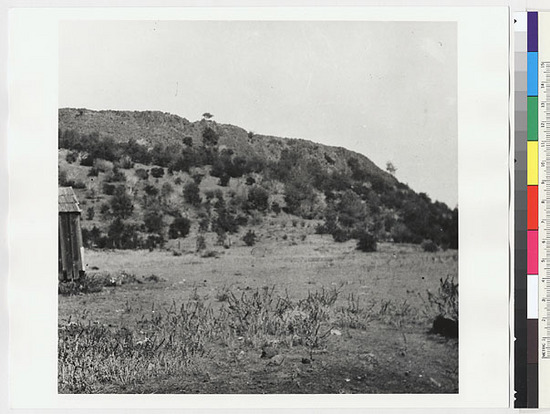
[532, 252]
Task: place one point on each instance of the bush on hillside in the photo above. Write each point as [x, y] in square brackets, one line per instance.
[209, 137]
[153, 221]
[122, 205]
[258, 199]
[191, 193]
[224, 180]
[250, 238]
[429, 246]
[367, 242]
[157, 172]
[142, 174]
[179, 228]
[71, 156]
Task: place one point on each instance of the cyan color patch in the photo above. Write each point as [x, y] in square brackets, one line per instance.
[532, 73]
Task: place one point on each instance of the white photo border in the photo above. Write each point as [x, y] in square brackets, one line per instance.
[483, 133]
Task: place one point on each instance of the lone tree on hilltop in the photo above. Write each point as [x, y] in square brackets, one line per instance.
[207, 116]
[390, 168]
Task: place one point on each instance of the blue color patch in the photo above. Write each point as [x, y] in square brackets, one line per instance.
[532, 73]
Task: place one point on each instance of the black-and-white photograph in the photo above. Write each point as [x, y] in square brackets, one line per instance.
[258, 207]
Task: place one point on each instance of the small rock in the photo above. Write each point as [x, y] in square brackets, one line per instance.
[276, 360]
[335, 332]
[306, 361]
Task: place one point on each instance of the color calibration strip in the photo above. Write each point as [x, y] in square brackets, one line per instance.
[543, 129]
[520, 212]
[532, 210]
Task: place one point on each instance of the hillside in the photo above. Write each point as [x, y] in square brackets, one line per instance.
[146, 177]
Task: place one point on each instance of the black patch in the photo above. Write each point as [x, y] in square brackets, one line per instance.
[445, 327]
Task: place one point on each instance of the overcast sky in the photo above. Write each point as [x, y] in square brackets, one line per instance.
[387, 90]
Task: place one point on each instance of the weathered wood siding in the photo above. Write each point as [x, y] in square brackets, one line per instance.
[71, 261]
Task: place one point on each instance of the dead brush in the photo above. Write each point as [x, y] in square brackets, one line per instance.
[353, 315]
[168, 340]
[444, 302]
[397, 314]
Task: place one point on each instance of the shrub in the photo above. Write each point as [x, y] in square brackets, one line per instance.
[72, 156]
[153, 221]
[90, 238]
[191, 193]
[77, 184]
[109, 188]
[179, 228]
[209, 137]
[115, 176]
[188, 141]
[142, 174]
[197, 178]
[87, 161]
[86, 284]
[250, 238]
[105, 210]
[126, 162]
[90, 213]
[201, 243]
[340, 235]
[225, 221]
[121, 235]
[209, 253]
[154, 241]
[122, 205]
[222, 237]
[166, 190]
[444, 302]
[429, 246]
[151, 190]
[224, 180]
[250, 181]
[204, 224]
[103, 166]
[367, 242]
[258, 199]
[157, 172]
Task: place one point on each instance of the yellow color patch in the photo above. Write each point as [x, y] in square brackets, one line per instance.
[532, 163]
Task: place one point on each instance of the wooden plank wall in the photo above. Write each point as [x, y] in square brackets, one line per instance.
[71, 264]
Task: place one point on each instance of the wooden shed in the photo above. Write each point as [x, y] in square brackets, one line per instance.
[71, 249]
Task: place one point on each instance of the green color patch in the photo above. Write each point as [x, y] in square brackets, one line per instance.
[532, 118]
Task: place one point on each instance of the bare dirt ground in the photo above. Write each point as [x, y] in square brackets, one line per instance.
[372, 332]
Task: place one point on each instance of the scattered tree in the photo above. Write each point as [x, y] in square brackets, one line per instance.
[191, 193]
[90, 213]
[209, 137]
[179, 228]
[390, 168]
[250, 238]
[157, 172]
[122, 205]
[258, 199]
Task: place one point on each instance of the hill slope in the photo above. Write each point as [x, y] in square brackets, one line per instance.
[223, 179]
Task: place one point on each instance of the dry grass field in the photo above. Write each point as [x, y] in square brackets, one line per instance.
[283, 316]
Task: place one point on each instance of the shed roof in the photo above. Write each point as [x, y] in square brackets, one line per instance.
[68, 202]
